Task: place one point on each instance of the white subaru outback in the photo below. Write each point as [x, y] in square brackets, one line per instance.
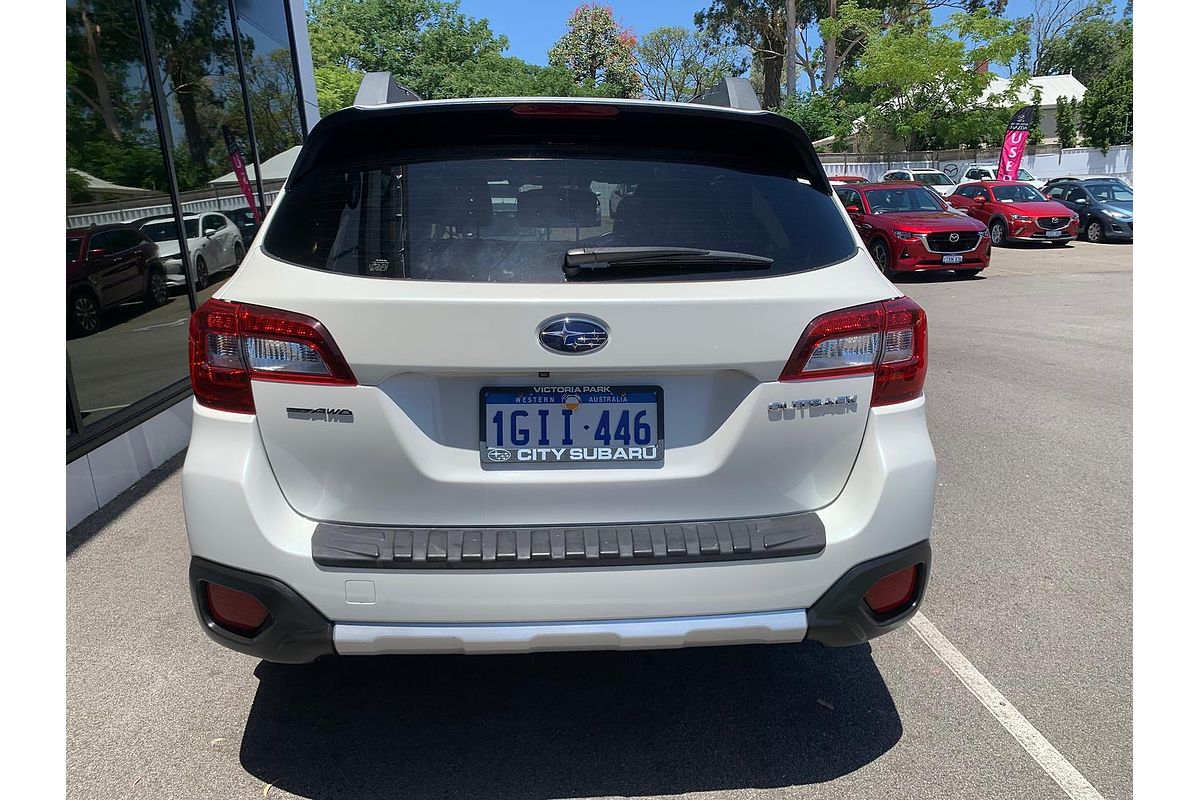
[458, 400]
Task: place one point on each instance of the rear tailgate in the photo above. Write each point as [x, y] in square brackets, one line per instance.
[423, 350]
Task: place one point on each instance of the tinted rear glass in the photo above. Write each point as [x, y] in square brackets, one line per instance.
[167, 230]
[934, 179]
[73, 249]
[510, 219]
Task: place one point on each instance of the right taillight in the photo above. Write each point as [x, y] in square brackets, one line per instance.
[230, 344]
[885, 339]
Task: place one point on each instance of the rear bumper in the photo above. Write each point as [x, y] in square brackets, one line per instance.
[297, 633]
[238, 519]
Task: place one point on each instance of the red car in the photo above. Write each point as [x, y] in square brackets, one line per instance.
[847, 178]
[1015, 210]
[108, 265]
[907, 228]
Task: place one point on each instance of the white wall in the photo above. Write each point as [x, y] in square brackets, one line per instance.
[1081, 161]
[110, 469]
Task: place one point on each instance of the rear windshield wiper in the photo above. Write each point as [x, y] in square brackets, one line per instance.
[575, 262]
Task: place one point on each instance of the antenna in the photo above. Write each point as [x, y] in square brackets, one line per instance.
[379, 88]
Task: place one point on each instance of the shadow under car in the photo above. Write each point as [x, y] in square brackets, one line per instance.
[568, 724]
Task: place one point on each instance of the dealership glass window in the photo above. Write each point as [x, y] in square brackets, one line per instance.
[126, 339]
[270, 75]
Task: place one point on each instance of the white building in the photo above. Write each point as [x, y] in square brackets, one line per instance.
[1052, 88]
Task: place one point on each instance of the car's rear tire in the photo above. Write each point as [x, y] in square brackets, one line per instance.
[998, 232]
[83, 313]
[1095, 232]
[883, 258]
[157, 293]
[967, 273]
[201, 274]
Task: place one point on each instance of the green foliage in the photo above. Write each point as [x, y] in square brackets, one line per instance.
[1088, 48]
[677, 64]
[823, 115]
[758, 25]
[336, 86]
[1035, 128]
[428, 46]
[598, 53]
[77, 188]
[923, 89]
[1106, 112]
[1065, 115]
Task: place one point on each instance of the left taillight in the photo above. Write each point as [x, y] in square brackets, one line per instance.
[230, 344]
[884, 339]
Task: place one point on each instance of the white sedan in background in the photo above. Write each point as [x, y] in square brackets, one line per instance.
[935, 179]
[214, 243]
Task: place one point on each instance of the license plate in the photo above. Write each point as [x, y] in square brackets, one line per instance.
[954, 259]
[528, 425]
[1053, 233]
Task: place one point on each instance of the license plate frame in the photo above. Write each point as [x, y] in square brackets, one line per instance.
[1053, 234]
[952, 258]
[557, 453]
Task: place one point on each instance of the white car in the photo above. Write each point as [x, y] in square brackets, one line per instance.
[982, 172]
[428, 421]
[214, 243]
[935, 179]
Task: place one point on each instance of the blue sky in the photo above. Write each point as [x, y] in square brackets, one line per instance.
[533, 26]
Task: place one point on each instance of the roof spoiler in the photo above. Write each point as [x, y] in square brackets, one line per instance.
[730, 93]
[379, 88]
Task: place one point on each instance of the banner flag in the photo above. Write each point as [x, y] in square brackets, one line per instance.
[239, 169]
[1014, 143]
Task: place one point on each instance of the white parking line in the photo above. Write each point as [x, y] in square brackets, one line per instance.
[1045, 754]
[162, 325]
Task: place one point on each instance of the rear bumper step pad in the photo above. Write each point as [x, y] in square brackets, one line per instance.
[551, 547]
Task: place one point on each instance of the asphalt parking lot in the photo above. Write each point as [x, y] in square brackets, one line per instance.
[1029, 395]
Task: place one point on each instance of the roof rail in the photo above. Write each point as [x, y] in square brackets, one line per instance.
[730, 93]
[379, 88]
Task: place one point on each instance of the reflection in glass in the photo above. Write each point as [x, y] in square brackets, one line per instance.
[125, 337]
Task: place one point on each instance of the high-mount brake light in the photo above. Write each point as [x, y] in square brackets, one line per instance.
[565, 110]
[885, 339]
[230, 344]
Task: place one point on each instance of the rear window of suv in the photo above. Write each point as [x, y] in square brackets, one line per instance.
[510, 217]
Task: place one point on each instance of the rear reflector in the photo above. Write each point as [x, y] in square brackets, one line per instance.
[233, 610]
[885, 339]
[893, 592]
[230, 344]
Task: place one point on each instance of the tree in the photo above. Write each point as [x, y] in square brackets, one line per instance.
[1064, 121]
[598, 52]
[1088, 48]
[758, 25]
[922, 87]
[1035, 125]
[830, 34]
[823, 115]
[427, 45]
[1048, 22]
[676, 64]
[1106, 112]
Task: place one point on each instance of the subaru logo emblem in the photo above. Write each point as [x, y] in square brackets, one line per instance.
[498, 454]
[954, 237]
[574, 335]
